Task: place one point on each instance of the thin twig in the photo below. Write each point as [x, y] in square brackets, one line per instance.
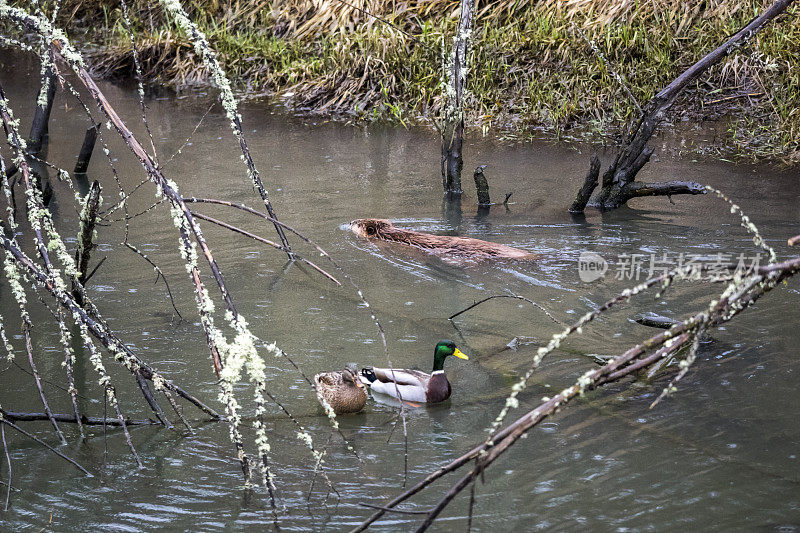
[189, 138]
[317, 469]
[124, 427]
[12, 425]
[389, 509]
[264, 241]
[35, 372]
[73, 390]
[140, 213]
[8, 461]
[139, 78]
[178, 410]
[286, 356]
[554, 319]
[159, 274]
[471, 506]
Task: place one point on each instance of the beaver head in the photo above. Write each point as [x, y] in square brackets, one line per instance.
[370, 227]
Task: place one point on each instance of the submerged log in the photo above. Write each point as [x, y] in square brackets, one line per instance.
[618, 181]
[655, 321]
[85, 155]
[482, 186]
[35, 145]
[589, 185]
[667, 188]
[41, 117]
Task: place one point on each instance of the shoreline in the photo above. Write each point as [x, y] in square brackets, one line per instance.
[533, 75]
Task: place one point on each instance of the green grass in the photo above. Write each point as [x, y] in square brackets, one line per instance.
[530, 72]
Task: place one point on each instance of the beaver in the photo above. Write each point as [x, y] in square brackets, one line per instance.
[460, 247]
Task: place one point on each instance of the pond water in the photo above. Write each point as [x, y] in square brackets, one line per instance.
[721, 453]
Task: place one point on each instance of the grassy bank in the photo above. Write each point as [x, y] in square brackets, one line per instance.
[532, 70]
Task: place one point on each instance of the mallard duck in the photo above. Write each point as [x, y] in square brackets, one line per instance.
[415, 385]
[342, 390]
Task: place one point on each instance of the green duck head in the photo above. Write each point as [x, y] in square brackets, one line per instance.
[443, 350]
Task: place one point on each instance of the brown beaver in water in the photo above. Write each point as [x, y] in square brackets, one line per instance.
[457, 247]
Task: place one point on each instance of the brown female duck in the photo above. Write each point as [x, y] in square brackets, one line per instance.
[342, 390]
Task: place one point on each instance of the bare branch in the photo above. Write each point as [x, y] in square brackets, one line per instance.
[264, 241]
[514, 296]
[12, 425]
[8, 461]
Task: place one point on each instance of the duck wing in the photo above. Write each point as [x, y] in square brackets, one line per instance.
[409, 393]
[329, 379]
[415, 378]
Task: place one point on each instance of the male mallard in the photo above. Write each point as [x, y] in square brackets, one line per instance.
[414, 385]
[342, 390]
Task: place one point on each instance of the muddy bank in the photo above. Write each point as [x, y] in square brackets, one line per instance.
[532, 70]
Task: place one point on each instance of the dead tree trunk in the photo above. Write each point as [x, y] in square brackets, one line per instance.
[453, 115]
[618, 184]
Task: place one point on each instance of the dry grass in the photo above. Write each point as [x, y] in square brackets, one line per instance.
[531, 68]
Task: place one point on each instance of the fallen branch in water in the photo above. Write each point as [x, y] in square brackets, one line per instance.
[34, 438]
[85, 420]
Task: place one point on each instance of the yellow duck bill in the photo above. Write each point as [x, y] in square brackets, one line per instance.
[461, 355]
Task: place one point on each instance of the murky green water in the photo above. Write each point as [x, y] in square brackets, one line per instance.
[722, 453]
